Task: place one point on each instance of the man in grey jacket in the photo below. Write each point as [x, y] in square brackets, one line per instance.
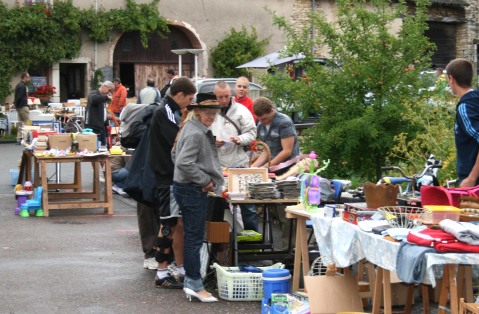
[234, 128]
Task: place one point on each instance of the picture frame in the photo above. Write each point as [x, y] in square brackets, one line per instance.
[238, 178]
[57, 126]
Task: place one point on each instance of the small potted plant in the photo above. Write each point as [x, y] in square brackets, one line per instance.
[45, 92]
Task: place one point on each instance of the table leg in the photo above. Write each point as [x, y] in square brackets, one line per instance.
[378, 290]
[454, 300]
[108, 190]
[425, 299]
[444, 291]
[449, 284]
[235, 240]
[387, 292]
[303, 242]
[44, 178]
[297, 258]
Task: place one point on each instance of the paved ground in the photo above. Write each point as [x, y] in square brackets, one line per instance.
[82, 261]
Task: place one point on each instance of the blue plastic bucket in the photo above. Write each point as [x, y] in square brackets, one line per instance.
[276, 281]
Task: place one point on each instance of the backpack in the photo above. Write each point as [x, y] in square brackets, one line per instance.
[137, 126]
[164, 90]
[128, 115]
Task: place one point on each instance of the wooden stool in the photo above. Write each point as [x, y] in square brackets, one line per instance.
[465, 308]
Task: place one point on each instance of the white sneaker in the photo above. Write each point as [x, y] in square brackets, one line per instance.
[118, 190]
[150, 263]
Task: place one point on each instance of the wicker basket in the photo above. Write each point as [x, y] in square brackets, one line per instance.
[234, 285]
[256, 148]
[403, 216]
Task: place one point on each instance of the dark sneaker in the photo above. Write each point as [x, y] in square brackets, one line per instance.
[168, 282]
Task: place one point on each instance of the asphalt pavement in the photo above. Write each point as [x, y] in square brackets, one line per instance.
[81, 261]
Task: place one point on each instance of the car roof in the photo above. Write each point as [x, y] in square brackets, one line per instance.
[207, 85]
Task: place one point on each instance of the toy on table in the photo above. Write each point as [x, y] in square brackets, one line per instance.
[310, 184]
[33, 204]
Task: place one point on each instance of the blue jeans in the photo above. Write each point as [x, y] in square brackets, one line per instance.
[249, 216]
[119, 177]
[193, 204]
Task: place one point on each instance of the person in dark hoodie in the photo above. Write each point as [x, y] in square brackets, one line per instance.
[466, 129]
[165, 125]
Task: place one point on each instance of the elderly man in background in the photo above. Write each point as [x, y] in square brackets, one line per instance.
[95, 113]
[149, 94]
[234, 129]
[241, 94]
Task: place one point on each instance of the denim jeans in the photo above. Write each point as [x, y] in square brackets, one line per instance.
[119, 177]
[193, 204]
[249, 216]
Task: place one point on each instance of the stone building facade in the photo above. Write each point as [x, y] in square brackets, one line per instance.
[202, 24]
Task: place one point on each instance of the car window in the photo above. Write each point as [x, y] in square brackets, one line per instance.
[207, 87]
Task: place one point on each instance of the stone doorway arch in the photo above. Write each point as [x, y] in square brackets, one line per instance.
[134, 64]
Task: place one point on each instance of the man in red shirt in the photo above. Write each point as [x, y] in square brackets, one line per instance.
[118, 100]
[241, 94]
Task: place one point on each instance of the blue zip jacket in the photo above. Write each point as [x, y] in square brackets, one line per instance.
[466, 132]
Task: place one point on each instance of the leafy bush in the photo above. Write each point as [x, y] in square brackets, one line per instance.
[237, 48]
[371, 81]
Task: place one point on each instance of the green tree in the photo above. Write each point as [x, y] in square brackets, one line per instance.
[434, 119]
[237, 48]
[372, 78]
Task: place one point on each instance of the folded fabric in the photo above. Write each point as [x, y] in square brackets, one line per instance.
[430, 237]
[463, 231]
[397, 233]
[368, 225]
[410, 262]
[456, 247]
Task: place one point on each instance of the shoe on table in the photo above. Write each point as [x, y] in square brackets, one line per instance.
[118, 190]
[150, 263]
[168, 282]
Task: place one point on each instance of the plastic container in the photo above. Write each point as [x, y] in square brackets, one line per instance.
[234, 285]
[276, 281]
[435, 213]
[14, 176]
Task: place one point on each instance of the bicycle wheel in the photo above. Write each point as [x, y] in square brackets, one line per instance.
[71, 127]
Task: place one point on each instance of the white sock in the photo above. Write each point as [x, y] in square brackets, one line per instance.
[162, 273]
[180, 269]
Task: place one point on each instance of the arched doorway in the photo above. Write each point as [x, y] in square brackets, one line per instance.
[134, 64]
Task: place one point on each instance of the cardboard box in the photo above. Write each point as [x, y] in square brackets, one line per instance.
[218, 232]
[87, 141]
[60, 141]
[333, 294]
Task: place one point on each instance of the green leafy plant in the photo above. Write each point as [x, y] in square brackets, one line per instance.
[36, 35]
[236, 48]
[371, 79]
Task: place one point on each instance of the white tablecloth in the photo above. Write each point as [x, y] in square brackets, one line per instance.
[344, 244]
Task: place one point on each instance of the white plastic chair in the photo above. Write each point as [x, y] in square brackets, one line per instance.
[12, 116]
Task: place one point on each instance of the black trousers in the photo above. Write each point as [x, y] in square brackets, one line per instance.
[148, 224]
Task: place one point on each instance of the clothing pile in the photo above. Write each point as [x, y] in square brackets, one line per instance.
[452, 237]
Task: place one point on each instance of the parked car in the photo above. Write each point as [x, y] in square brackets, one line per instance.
[207, 85]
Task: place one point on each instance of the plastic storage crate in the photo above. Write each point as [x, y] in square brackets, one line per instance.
[234, 285]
